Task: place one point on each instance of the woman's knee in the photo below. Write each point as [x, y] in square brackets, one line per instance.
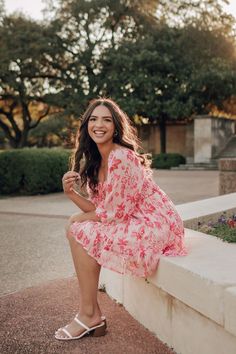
[68, 231]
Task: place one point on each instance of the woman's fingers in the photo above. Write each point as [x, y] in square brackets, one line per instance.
[69, 179]
[70, 174]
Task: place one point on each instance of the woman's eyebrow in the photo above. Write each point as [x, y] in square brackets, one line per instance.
[102, 116]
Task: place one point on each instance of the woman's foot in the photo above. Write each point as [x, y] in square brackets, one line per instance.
[74, 329]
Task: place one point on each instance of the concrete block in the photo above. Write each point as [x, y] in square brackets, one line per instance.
[196, 334]
[230, 309]
[150, 306]
[199, 280]
[210, 206]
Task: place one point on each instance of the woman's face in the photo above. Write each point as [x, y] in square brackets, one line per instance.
[101, 127]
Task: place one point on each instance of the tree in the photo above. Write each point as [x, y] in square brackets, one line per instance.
[202, 14]
[121, 48]
[169, 76]
[57, 129]
[25, 77]
[57, 64]
[84, 29]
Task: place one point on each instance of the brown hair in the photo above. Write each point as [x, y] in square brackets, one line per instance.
[86, 148]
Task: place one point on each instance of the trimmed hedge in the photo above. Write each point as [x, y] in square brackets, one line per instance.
[32, 171]
[166, 161]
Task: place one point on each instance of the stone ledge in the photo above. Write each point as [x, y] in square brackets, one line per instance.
[204, 210]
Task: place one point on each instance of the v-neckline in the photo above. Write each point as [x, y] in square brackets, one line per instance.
[108, 161]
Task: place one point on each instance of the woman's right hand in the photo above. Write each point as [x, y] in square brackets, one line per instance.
[68, 181]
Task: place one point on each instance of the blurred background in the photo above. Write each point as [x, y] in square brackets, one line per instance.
[171, 65]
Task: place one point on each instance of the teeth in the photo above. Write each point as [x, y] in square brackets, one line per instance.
[99, 132]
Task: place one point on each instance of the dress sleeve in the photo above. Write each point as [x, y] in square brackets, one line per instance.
[123, 187]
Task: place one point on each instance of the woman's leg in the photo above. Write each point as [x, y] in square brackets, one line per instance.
[87, 270]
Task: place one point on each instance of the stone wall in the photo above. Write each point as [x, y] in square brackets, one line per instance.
[227, 177]
[179, 138]
[222, 131]
[199, 141]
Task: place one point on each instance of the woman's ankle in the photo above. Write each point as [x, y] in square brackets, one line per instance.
[90, 311]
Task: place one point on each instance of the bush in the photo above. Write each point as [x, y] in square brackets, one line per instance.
[166, 161]
[32, 171]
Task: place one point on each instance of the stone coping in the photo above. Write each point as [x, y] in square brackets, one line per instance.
[206, 209]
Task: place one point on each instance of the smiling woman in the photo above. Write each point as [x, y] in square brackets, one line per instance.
[127, 223]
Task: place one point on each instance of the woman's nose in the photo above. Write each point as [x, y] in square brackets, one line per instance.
[99, 122]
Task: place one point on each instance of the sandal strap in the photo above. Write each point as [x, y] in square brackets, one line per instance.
[66, 332]
[81, 323]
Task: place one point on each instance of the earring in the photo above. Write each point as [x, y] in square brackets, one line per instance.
[116, 133]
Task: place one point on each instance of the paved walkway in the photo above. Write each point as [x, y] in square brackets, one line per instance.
[38, 287]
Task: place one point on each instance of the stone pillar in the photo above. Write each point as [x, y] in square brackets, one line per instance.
[211, 135]
[202, 139]
[227, 178]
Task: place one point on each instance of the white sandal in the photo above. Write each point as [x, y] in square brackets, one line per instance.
[96, 331]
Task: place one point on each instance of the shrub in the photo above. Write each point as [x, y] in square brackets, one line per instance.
[32, 171]
[166, 161]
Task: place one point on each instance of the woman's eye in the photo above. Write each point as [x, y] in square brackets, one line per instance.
[91, 119]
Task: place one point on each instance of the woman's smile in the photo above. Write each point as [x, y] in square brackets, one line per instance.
[99, 132]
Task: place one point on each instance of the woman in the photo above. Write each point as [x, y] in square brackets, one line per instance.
[127, 223]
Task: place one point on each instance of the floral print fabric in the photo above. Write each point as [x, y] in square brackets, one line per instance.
[139, 222]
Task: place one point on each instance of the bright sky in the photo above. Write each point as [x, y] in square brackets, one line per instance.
[33, 8]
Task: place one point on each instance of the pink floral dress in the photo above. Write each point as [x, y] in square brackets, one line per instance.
[139, 222]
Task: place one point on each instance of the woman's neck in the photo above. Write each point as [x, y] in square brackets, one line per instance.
[105, 151]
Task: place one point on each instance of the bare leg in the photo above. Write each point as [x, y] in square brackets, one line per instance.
[87, 270]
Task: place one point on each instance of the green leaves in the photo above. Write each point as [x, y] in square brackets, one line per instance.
[152, 64]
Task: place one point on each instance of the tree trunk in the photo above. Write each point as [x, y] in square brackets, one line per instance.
[24, 139]
[163, 134]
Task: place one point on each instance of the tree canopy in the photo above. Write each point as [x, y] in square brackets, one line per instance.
[161, 60]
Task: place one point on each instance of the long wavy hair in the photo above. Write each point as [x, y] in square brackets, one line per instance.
[86, 150]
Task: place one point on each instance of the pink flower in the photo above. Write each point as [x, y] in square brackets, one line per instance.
[122, 242]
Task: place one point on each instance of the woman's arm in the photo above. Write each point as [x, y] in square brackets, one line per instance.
[81, 217]
[84, 204]
[68, 181]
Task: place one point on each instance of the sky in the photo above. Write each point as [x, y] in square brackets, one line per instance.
[33, 8]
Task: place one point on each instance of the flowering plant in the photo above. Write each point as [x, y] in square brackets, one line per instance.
[224, 227]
